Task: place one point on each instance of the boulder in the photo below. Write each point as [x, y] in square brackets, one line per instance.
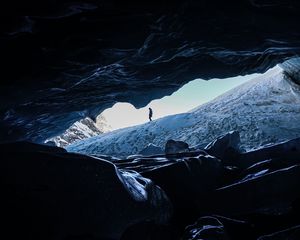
[151, 149]
[47, 193]
[173, 146]
[225, 147]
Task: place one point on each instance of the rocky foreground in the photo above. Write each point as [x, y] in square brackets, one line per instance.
[214, 193]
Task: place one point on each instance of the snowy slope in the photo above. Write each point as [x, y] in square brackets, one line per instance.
[80, 130]
[264, 110]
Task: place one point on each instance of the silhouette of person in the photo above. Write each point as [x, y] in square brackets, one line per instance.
[150, 114]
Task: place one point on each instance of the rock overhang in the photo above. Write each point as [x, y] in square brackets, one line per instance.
[64, 61]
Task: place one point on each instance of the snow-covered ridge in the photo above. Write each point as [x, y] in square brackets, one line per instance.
[264, 110]
[80, 130]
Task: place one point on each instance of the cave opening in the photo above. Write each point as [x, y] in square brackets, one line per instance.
[123, 114]
[197, 113]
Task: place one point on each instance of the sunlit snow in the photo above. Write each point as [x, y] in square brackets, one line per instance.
[186, 98]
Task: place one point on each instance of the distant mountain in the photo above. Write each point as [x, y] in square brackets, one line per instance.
[80, 130]
[102, 124]
[264, 110]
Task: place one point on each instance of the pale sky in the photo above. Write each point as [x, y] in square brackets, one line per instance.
[186, 98]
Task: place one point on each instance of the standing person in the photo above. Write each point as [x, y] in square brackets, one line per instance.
[150, 114]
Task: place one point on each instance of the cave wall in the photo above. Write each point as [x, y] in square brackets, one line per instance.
[63, 61]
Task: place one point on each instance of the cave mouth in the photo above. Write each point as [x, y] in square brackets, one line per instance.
[123, 114]
[188, 97]
[262, 111]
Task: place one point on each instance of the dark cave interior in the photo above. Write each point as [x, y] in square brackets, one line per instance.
[65, 60]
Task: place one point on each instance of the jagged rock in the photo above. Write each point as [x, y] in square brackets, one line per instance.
[219, 227]
[135, 156]
[225, 147]
[151, 149]
[268, 193]
[83, 129]
[144, 164]
[48, 193]
[268, 166]
[187, 182]
[285, 150]
[206, 228]
[288, 234]
[30, 147]
[173, 146]
[291, 68]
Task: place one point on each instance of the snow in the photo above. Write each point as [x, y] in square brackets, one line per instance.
[264, 110]
[85, 128]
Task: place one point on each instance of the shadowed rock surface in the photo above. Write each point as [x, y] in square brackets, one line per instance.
[290, 234]
[49, 193]
[173, 146]
[225, 147]
[206, 228]
[64, 60]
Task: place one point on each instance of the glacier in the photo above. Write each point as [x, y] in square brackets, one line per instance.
[265, 110]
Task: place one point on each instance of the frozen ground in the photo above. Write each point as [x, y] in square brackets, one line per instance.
[264, 110]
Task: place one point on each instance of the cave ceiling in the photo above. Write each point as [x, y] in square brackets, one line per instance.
[64, 60]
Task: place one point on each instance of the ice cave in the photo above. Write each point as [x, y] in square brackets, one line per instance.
[223, 168]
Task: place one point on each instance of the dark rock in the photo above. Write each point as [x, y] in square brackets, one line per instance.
[237, 229]
[288, 150]
[288, 234]
[18, 147]
[206, 228]
[144, 164]
[268, 193]
[149, 231]
[52, 194]
[219, 227]
[231, 174]
[225, 147]
[151, 149]
[188, 183]
[271, 165]
[173, 146]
